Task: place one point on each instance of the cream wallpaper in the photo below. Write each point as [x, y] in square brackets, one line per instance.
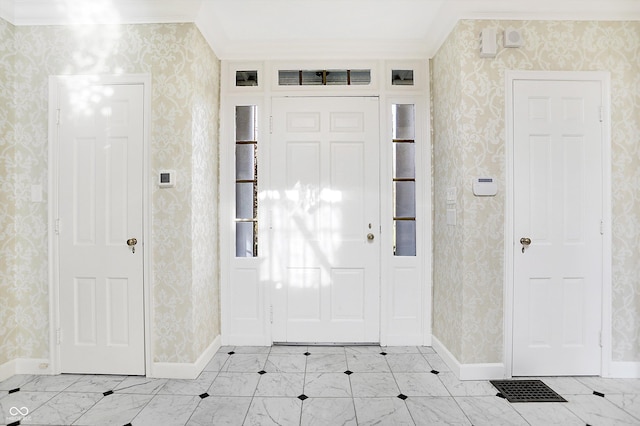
[477, 118]
[184, 136]
[7, 198]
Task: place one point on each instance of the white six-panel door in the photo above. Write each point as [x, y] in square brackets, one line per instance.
[325, 219]
[557, 309]
[101, 305]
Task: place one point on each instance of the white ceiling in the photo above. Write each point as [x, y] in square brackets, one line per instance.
[307, 29]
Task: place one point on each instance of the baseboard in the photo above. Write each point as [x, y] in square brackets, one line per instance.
[624, 370]
[185, 370]
[481, 371]
[25, 366]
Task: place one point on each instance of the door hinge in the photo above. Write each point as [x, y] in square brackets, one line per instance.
[58, 336]
[600, 339]
[58, 116]
[271, 124]
[602, 227]
[56, 227]
[271, 314]
[601, 114]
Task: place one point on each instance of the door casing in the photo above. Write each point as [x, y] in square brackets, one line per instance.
[53, 199]
[604, 79]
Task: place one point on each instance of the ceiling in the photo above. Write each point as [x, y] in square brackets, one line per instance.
[308, 29]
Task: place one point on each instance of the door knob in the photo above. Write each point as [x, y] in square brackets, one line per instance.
[131, 242]
[370, 236]
[525, 241]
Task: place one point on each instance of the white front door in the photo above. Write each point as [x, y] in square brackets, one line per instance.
[557, 308]
[101, 305]
[325, 219]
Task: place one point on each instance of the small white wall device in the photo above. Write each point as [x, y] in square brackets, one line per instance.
[485, 187]
[488, 43]
[167, 178]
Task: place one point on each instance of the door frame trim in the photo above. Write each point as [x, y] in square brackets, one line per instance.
[53, 174]
[604, 78]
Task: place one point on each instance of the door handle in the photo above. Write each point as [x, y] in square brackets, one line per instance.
[525, 241]
[370, 236]
[131, 242]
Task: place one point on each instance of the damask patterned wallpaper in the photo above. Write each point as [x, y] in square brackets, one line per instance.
[184, 136]
[476, 114]
[7, 198]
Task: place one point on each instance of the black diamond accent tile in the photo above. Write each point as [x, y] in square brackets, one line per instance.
[261, 372]
[499, 395]
[596, 393]
[348, 372]
[526, 391]
[303, 397]
[307, 354]
[402, 396]
[383, 353]
[128, 424]
[230, 353]
[14, 390]
[14, 423]
[435, 372]
[107, 393]
[203, 395]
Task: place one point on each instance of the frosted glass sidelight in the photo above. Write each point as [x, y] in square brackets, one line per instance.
[404, 122]
[246, 123]
[405, 195]
[404, 155]
[246, 172]
[245, 161]
[244, 239]
[405, 234]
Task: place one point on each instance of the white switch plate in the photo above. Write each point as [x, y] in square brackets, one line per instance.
[451, 195]
[451, 217]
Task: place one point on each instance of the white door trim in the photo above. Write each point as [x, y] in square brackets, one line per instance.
[53, 173]
[604, 79]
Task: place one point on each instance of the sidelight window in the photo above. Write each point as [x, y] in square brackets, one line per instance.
[404, 179]
[246, 219]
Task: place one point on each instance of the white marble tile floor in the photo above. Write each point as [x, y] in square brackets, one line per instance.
[310, 386]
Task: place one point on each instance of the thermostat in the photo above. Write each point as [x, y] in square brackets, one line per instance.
[485, 187]
[167, 178]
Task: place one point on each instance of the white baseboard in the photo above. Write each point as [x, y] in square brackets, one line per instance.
[25, 366]
[624, 370]
[185, 370]
[482, 371]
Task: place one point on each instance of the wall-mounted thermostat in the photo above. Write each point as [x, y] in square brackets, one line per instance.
[485, 187]
[167, 178]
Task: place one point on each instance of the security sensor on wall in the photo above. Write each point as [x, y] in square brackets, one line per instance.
[488, 43]
[513, 37]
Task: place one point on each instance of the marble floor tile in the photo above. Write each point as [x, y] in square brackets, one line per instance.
[245, 363]
[328, 411]
[440, 410]
[400, 349]
[115, 409]
[167, 410]
[489, 411]
[55, 383]
[420, 384]
[466, 387]
[274, 411]
[364, 349]
[286, 349]
[16, 381]
[234, 384]
[335, 385]
[189, 387]
[382, 412]
[368, 385]
[88, 383]
[63, 409]
[326, 363]
[338, 350]
[595, 410]
[281, 384]
[367, 363]
[217, 362]
[227, 411]
[426, 350]
[140, 385]
[436, 362]
[566, 385]
[404, 363]
[628, 402]
[286, 363]
[606, 386]
[17, 406]
[547, 413]
[252, 349]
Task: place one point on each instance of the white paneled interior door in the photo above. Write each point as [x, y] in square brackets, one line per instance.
[100, 188]
[557, 306]
[325, 219]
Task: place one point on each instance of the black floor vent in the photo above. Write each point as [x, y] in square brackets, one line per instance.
[526, 391]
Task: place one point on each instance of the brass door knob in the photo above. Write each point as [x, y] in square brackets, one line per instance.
[370, 236]
[132, 242]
